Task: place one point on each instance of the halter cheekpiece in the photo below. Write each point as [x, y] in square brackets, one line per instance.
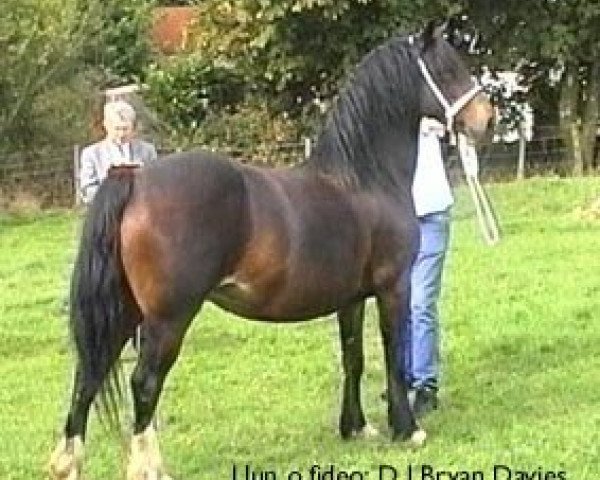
[450, 110]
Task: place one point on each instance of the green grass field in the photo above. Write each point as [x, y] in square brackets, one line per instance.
[521, 356]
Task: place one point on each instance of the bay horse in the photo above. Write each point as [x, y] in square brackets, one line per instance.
[278, 245]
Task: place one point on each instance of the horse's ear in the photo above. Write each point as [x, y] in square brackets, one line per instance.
[432, 32]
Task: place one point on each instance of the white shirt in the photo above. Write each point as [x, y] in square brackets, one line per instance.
[431, 189]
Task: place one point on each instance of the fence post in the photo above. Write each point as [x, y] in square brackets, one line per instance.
[307, 147]
[522, 147]
[76, 192]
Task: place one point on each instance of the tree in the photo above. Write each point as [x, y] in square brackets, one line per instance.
[120, 48]
[50, 45]
[293, 54]
[296, 51]
[555, 45]
[41, 41]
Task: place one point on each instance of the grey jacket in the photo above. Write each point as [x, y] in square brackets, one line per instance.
[97, 158]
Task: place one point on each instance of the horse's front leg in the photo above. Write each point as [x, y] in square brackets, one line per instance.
[160, 345]
[352, 418]
[394, 305]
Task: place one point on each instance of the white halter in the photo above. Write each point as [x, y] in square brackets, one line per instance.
[450, 110]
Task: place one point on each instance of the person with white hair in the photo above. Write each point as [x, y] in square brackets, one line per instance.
[119, 147]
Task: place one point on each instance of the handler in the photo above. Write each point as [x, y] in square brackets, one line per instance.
[433, 201]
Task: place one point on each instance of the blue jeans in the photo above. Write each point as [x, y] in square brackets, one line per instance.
[421, 346]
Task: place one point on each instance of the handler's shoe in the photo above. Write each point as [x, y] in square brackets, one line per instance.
[425, 401]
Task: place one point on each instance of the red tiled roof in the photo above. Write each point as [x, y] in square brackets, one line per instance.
[170, 28]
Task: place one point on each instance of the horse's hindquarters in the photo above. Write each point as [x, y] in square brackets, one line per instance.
[182, 231]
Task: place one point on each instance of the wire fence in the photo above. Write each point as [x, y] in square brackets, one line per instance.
[44, 178]
[47, 178]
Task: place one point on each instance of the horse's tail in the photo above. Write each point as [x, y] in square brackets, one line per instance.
[98, 304]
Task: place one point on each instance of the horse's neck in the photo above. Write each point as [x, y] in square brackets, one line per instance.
[399, 153]
[386, 160]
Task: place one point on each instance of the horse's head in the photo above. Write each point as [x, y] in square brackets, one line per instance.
[449, 91]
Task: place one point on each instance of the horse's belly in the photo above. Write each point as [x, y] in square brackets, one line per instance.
[294, 300]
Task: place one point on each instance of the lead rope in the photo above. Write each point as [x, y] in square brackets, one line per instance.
[486, 216]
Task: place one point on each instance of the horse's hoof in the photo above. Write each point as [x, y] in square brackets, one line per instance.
[368, 431]
[65, 461]
[63, 470]
[147, 474]
[417, 439]
[143, 474]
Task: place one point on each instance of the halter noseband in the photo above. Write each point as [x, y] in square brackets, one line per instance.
[450, 110]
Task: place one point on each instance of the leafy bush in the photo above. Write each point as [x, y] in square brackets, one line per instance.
[251, 132]
[49, 48]
[121, 50]
[185, 90]
[216, 116]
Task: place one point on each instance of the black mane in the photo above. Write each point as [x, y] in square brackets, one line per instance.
[373, 121]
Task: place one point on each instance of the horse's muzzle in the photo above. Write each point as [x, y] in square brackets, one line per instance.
[477, 119]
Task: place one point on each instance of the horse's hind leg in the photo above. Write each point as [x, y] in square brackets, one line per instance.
[160, 345]
[67, 458]
[352, 419]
